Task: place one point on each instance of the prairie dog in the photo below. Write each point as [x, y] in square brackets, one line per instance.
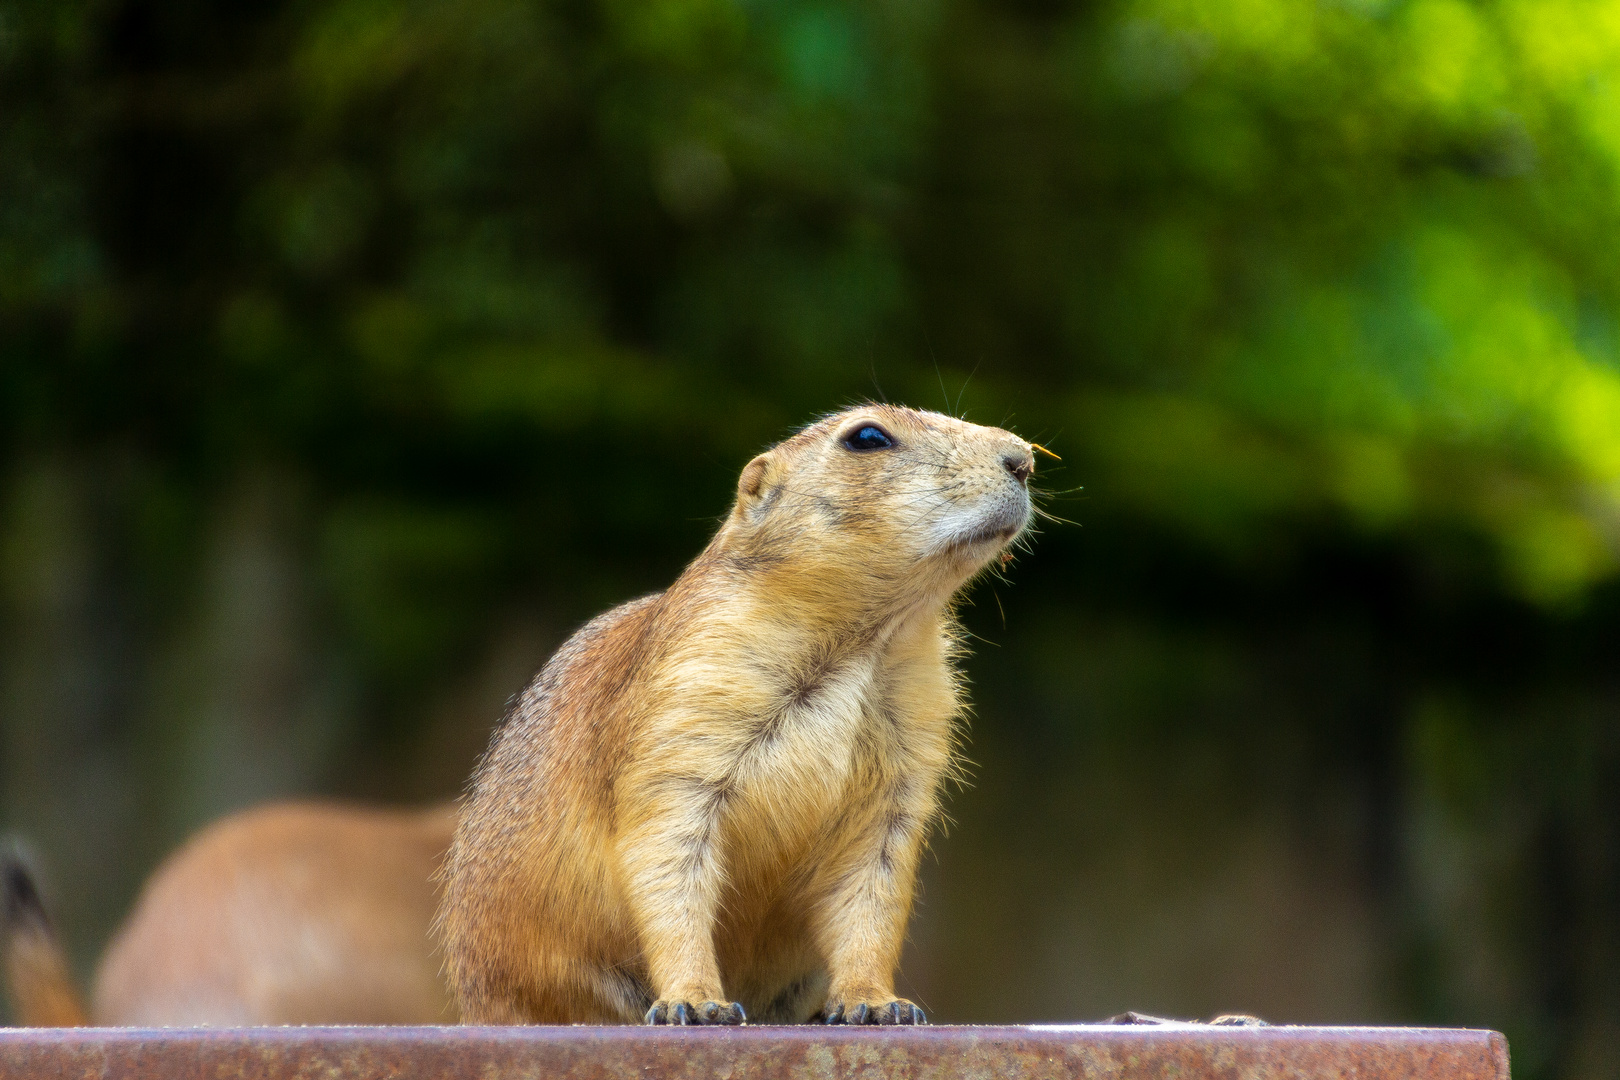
[711, 802]
[292, 913]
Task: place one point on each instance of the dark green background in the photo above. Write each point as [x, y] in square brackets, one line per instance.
[352, 351]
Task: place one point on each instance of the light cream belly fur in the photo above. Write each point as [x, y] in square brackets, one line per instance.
[767, 953]
[817, 754]
[800, 782]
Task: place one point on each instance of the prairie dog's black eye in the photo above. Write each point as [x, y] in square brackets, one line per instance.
[868, 437]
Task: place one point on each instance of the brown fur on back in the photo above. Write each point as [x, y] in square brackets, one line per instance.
[293, 913]
[721, 792]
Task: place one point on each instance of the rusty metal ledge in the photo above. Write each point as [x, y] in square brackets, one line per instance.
[577, 1053]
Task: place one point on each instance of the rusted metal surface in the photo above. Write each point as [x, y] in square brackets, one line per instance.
[585, 1053]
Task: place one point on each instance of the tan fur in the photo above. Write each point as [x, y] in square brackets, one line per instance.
[45, 996]
[721, 792]
[297, 913]
[301, 913]
[37, 979]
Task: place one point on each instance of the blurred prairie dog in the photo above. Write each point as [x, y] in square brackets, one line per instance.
[292, 913]
[712, 801]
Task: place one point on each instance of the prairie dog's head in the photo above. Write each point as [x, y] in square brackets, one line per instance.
[913, 501]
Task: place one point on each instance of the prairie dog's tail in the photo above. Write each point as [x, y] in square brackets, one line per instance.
[37, 980]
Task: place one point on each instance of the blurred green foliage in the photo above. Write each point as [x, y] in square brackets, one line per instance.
[1245, 261]
[483, 303]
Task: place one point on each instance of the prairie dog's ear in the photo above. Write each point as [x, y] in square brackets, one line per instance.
[751, 484]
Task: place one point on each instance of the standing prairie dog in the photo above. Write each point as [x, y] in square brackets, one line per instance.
[712, 801]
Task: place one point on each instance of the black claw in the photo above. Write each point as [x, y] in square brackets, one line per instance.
[918, 1016]
[860, 1014]
[710, 1011]
[658, 1014]
[891, 1015]
[735, 1014]
[836, 1016]
[683, 1014]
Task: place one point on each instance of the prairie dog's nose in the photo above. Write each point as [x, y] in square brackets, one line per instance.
[1021, 463]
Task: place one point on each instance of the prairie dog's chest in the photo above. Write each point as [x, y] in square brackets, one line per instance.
[811, 737]
[851, 726]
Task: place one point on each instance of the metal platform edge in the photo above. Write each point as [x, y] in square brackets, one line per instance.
[1034, 1052]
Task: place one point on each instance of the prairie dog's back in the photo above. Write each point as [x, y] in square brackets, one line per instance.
[294, 913]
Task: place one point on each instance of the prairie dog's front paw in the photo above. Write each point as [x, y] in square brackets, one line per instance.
[702, 1013]
[894, 1011]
